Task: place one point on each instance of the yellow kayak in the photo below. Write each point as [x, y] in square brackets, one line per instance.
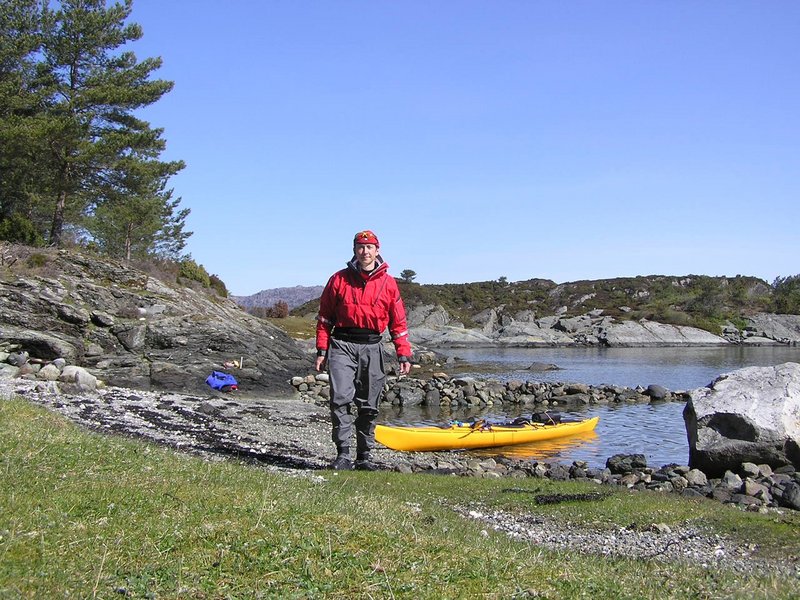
[463, 435]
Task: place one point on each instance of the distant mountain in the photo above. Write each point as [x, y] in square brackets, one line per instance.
[293, 296]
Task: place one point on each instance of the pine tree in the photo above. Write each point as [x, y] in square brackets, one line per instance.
[21, 106]
[73, 154]
[95, 89]
[134, 216]
[407, 275]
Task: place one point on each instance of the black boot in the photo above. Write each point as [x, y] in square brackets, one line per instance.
[342, 462]
[363, 463]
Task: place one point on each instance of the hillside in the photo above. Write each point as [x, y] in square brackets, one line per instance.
[135, 330]
[693, 300]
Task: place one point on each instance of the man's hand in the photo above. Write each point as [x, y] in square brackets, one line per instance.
[319, 364]
[405, 368]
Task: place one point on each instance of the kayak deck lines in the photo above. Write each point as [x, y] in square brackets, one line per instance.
[460, 436]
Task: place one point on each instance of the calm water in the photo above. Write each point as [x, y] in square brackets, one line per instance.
[655, 430]
[674, 368]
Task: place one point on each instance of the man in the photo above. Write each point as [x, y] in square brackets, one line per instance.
[357, 305]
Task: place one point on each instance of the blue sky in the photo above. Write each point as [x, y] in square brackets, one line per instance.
[562, 140]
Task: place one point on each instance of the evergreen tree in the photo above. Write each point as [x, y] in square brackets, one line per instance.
[21, 107]
[170, 240]
[94, 90]
[135, 216]
[72, 152]
[407, 275]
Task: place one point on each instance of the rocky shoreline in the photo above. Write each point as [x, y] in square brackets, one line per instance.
[291, 436]
[134, 330]
[294, 433]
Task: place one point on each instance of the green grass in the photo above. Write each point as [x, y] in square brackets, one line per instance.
[301, 328]
[93, 516]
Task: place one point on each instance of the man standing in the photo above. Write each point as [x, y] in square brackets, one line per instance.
[357, 305]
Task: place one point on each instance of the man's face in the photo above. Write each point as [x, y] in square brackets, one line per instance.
[366, 255]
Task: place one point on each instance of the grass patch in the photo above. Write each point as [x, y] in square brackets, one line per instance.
[87, 515]
[300, 328]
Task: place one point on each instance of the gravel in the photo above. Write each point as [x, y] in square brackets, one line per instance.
[656, 541]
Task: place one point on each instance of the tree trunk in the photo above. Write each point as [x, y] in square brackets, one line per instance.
[58, 219]
[128, 243]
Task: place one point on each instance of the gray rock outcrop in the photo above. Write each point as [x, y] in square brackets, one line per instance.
[522, 333]
[650, 333]
[130, 329]
[428, 316]
[784, 329]
[453, 337]
[749, 415]
[431, 326]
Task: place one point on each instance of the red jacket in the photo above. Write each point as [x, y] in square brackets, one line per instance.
[354, 299]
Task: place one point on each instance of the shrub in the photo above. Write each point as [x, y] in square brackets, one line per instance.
[163, 270]
[218, 286]
[18, 228]
[787, 295]
[279, 310]
[36, 260]
[188, 269]
[712, 325]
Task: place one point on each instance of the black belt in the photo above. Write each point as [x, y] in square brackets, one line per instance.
[357, 338]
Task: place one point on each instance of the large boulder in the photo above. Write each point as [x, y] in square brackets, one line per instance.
[488, 321]
[749, 415]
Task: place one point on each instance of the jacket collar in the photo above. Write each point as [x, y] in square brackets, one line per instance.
[380, 267]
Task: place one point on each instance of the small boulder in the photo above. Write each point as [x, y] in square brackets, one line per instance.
[540, 367]
[625, 463]
[696, 477]
[49, 372]
[656, 392]
[80, 378]
[791, 496]
[17, 359]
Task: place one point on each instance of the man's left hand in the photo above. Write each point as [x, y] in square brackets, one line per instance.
[405, 368]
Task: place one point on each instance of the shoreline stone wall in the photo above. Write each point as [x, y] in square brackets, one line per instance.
[442, 390]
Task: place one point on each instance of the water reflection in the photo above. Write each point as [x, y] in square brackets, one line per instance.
[548, 450]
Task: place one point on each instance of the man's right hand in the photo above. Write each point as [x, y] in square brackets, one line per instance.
[319, 364]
